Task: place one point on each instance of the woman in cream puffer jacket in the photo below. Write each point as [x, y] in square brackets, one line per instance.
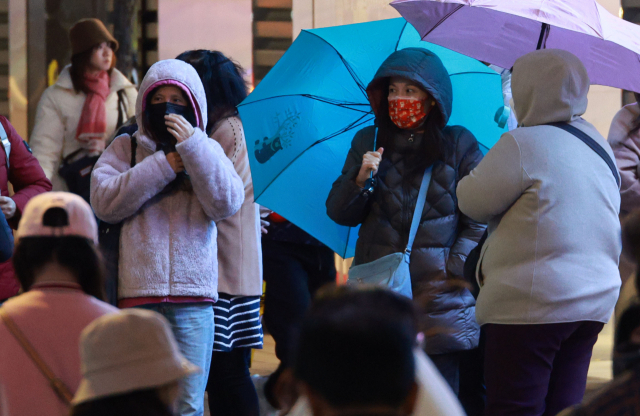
[61, 105]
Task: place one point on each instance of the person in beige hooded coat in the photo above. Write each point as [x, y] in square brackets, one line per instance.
[549, 269]
[237, 312]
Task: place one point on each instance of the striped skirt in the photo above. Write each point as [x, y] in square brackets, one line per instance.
[238, 323]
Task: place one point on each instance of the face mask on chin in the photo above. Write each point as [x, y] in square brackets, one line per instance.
[407, 112]
[158, 126]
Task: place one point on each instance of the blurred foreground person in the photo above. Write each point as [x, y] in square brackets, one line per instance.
[358, 356]
[548, 271]
[237, 312]
[131, 366]
[59, 269]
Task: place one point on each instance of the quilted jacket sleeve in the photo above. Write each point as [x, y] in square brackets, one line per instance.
[346, 204]
[468, 156]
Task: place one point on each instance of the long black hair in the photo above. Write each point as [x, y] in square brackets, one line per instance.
[136, 403]
[433, 147]
[223, 83]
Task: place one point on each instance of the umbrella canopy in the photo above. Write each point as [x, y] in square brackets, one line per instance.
[300, 120]
[500, 31]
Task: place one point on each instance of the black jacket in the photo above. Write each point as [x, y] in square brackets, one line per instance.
[445, 235]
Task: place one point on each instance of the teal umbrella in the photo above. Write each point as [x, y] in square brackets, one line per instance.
[300, 120]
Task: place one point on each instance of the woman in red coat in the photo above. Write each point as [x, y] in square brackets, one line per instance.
[28, 180]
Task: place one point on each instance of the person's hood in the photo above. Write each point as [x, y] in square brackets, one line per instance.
[180, 74]
[117, 80]
[422, 67]
[548, 86]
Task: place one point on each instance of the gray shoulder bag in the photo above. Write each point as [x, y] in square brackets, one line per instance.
[392, 270]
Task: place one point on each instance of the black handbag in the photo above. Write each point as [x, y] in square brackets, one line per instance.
[109, 243]
[471, 264]
[76, 169]
[77, 173]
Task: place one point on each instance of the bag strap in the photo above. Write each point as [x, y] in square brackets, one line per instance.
[121, 109]
[592, 144]
[58, 386]
[6, 144]
[134, 148]
[417, 214]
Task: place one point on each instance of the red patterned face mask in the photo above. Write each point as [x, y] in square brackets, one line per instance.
[407, 112]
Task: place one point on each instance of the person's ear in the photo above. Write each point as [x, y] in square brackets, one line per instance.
[411, 401]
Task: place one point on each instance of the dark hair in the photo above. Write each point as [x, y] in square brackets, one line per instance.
[137, 403]
[223, 83]
[356, 347]
[80, 64]
[76, 254]
[433, 147]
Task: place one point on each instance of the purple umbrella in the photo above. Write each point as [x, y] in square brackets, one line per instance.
[501, 31]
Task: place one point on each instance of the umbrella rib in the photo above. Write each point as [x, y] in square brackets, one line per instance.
[443, 19]
[404, 27]
[338, 103]
[345, 104]
[353, 74]
[351, 126]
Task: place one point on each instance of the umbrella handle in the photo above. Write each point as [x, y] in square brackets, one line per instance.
[375, 147]
[370, 184]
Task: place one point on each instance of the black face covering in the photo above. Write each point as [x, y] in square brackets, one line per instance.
[157, 122]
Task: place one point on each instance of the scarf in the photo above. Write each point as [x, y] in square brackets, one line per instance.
[93, 120]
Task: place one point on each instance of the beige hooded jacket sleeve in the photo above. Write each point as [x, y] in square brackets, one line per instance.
[495, 184]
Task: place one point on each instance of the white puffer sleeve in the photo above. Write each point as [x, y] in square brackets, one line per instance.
[47, 138]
